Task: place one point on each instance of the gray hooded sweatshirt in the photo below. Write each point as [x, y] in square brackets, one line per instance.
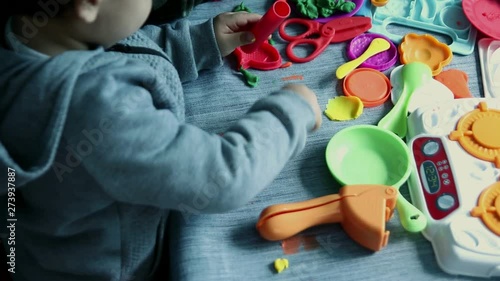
[99, 152]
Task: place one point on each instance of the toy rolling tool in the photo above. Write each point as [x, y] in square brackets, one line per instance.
[269, 22]
[362, 210]
[334, 31]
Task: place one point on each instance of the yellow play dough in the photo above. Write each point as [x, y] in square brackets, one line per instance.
[344, 108]
[280, 265]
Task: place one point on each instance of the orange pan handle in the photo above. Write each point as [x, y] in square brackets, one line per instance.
[278, 222]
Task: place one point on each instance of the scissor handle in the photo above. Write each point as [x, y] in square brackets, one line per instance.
[319, 44]
[312, 27]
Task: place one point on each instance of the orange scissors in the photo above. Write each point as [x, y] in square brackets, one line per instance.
[334, 31]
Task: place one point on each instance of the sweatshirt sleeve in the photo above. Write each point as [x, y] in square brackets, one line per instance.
[190, 48]
[142, 154]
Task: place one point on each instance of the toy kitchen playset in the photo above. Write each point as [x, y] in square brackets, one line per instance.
[455, 182]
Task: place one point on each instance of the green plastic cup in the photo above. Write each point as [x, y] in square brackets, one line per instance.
[366, 154]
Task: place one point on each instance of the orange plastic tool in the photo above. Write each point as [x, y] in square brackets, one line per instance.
[456, 80]
[362, 210]
[427, 49]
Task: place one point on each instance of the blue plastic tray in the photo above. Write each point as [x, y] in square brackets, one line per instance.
[444, 17]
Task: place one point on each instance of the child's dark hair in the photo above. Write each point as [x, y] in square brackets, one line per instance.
[40, 10]
[31, 7]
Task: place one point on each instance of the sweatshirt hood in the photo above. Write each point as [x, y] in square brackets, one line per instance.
[34, 99]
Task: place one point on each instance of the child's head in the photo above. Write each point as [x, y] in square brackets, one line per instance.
[101, 22]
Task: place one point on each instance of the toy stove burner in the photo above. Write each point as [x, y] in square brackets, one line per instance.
[478, 133]
[488, 208]
[456, 182]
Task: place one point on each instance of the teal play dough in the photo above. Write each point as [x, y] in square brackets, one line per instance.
[323, 8]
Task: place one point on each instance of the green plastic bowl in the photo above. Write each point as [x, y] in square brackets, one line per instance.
[367, 154]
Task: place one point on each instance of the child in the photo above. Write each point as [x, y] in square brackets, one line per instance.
[164, 10]
[93, 135]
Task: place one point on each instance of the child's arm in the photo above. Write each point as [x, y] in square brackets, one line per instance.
[142, 154]
[192, 48]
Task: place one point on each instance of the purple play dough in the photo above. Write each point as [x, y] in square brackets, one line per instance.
[381, 61]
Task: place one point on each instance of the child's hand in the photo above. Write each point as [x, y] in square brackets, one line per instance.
[310, 97]
[231, 30]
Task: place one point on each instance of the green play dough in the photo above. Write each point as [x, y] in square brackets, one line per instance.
[250, 78]
[241, 7]
[323, 8]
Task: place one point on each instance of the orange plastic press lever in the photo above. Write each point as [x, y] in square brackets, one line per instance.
[362, 211]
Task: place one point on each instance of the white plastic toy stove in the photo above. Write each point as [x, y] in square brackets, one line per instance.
[455, 182]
